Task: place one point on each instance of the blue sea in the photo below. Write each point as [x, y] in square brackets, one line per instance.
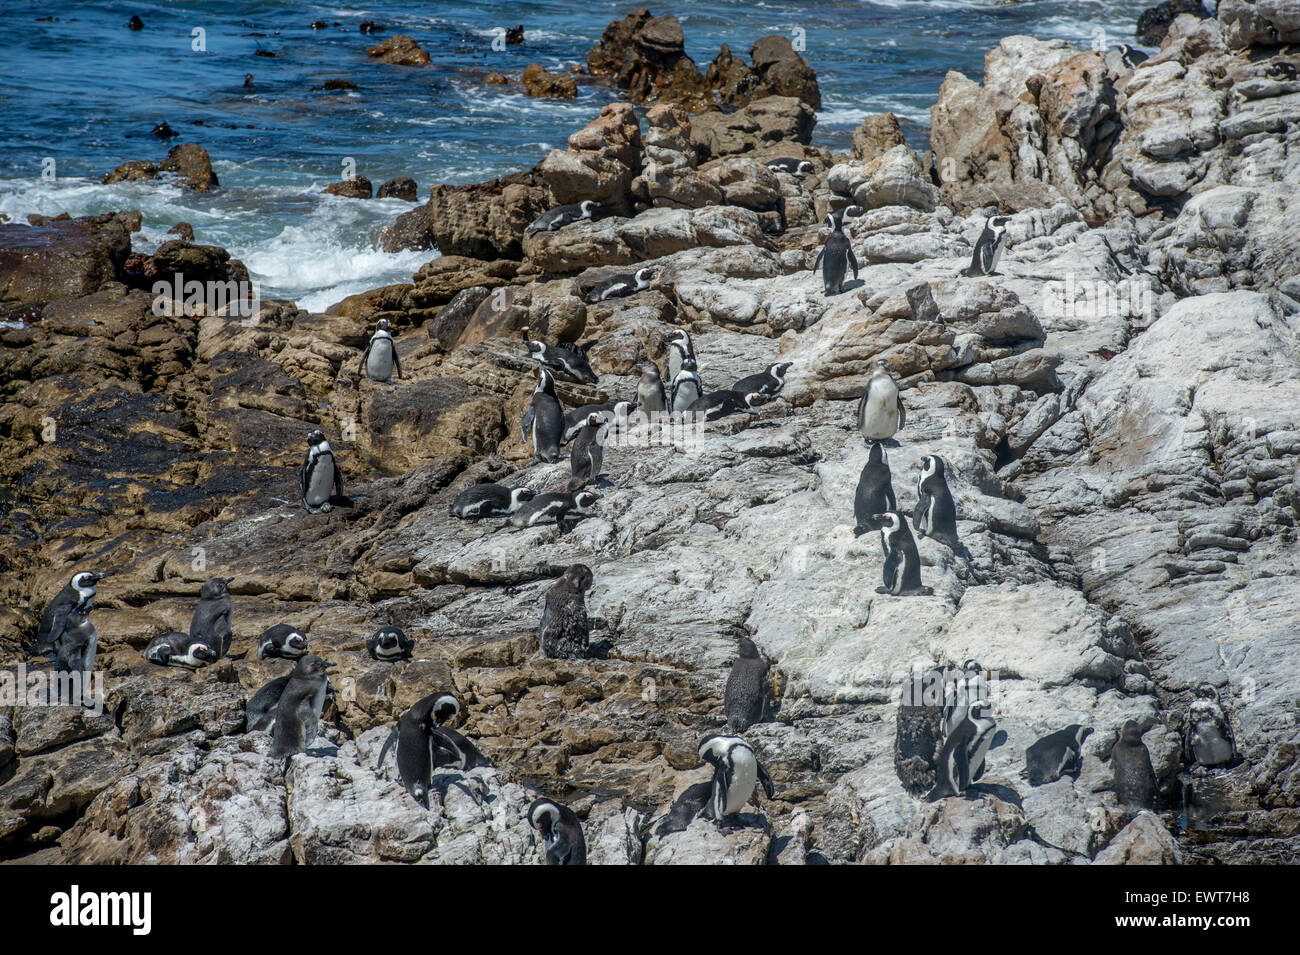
[81, 90]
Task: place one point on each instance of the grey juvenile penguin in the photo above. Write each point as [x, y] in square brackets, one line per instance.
[564, 630]
[211, 620]
[1056, 754]
[1207, 731]
[650, 397]
[297, 714]
[746, 696]
[1135, 778]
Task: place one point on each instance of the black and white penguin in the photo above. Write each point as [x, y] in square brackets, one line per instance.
[561, 832]
[686, 389]
[650, 396]
[988, 247]
[680, 349]
[621, 286]
[736, 772]
[175, 649]
[875, 494]
[570, 361]
[297, 714]
[543, 422]
[79, 592]
[880, 409]
[746, 696]
[425, 742]
[379, 360]
[320, 475]
[722, 404]
[1135, 777]
[767, 383]
[791, 165]
[564, 631]
[986, 737]
[918, 737]
[935, 515]
[1207, 731]
[282, 642]
[1131, 56]
[953, 768]
[211, 621]
[1056, 754]
[560, 216]
[488, 500]
[566, 509]
[587, 453]
[838, 255]
[388, 644]
[902, 562]
[962, 689]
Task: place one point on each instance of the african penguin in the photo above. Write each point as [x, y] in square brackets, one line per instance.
[564, 508]
[379, 360]
[425, 742]
[918, 735]
[560, 216]
[320, 475]
[746, 696]
[768, 383]
[721, 404]
[571, 361]
[297, 714]
[564, 631]
[282, 642]
[880, 410]
[902, 573]
[650, 397]
[211, 621]
[985, 738]
[686, 389]
[621, 286]
[1207, 731]
[846, 212]
[791, 165]
[838, 255]
[79, 592]
[543, 423]
[736, 771]
[388, 644]
[576, 418]
[1135, 778]
[488, 500]
[875, 494]
[679, 349]
[952, 769]
[174, 649]
[561, 832]
[935, 515]
[988, 247]
[76, 649]
[587, 454]
[259, 711]
[1056, 754]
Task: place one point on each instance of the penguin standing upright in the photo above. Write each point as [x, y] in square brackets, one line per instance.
[838, 256]
[74, 653]
[745, 699]
[650, 397]
[543, 423]
[875, 494]
[736, 773]
[78, 592]
[561, 832]
[935, 515]
[319, 475]
[902, 573]
[297, 714]
[952, 769]
[687, 387]
[211, 620]
[1207, 731]
[880, 410]
[425, 742]
[988, 247]
[1135, 777]
[679, 350]
[379, 360]
[1056, 754]
[587, 455]
[564, 631]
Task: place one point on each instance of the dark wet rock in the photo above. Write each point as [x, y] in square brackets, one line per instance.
[1153, 22]
[446, 327]
[332, 85]
[401, 188]
[646, 56]
[189, 161]
[57, 258]
[540, 82]
[358, 187]
[184, 230]
[400, 50]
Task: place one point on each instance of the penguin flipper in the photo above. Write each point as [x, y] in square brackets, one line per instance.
[818, 261]
[338, 477]
[361, 367]
[383, 752]
[902, 412]
[397, 364]
[527, 421]
[889, 495]
[766, 782]
[852, 261]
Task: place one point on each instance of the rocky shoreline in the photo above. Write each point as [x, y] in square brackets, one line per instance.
[1117, 409]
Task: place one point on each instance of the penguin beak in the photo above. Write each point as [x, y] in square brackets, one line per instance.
[330, 664]
[101, 574]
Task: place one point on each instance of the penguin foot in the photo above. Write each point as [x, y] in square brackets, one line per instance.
[884, 590]
[326, 507]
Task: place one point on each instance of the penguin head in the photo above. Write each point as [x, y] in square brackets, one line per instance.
[1131, 733]
[679, 338]
[445, 709]
[1080, 733]
[643, 276]
[295, 645]
[86, 580]
[382, 326]
[851, 212]
[755, 398]
[316, 439]
[311, 665]
[203, 652]
[805, 167]
[216, 588]
[778, 370]
[649, 371]
[831, 222]
[578, 576]
[584, 500]
[971, 665]
[536, 349]
[997, 222]
[521, 495]
[748, 649]
[714, 749]
[545, 381]
[1206, 691]
[544, 815]
[588, 206]
[389, 638]
[890, 521]
[882, 367]
[595, 420]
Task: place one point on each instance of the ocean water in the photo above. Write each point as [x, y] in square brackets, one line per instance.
[80, 94]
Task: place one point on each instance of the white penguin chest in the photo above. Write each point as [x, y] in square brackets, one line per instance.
[379, 363]
[321, 480]
[744, 777]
